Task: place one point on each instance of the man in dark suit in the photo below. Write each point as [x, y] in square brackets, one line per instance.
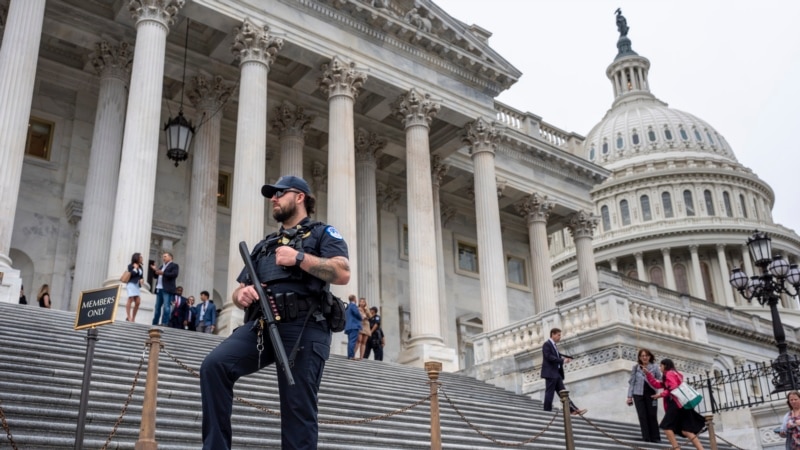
[165, 288]
[180, 310]
[553, 372]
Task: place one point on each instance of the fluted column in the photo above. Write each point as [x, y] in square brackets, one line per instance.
[290, 122]
[640, 269]
[482, 138]
[582, 224]
[18, 58]
[724, 273]
[208, 96]
[536, 210]
[438, 171]
[697, 274]
[341, 81]
[112, 62]
[133, 207]
[416, 111]
[255, 48]
[668, 269]
[368, 148]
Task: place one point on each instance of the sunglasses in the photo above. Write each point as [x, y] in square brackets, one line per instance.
[281, 193]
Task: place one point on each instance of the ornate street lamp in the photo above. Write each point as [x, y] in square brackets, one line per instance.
[777, 277]
[178, 129]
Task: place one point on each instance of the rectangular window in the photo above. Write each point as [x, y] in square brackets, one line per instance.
[404, 242]
[517, 273]
[224, 189]
[40, 138]
[467, 257]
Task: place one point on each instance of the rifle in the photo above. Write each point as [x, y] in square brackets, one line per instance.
[269, 317]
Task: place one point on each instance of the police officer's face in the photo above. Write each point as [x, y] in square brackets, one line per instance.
[285, 205]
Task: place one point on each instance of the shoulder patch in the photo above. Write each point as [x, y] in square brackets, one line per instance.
[333, 233]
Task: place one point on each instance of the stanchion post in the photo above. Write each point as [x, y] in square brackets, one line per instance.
[434, 368]
[91, 340]
[712, 435]
[568, 438]
[147, 430]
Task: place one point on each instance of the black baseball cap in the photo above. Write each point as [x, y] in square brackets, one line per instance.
[283, 183]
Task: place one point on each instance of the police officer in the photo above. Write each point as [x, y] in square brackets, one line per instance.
[296, 264]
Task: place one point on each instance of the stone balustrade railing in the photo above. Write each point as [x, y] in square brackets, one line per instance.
[553, 135]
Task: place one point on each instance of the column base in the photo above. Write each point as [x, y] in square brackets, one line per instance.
[229, 318]
[147, 302]
[418, 353]
[10, 284]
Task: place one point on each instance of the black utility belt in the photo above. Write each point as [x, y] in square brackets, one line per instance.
[291, 306]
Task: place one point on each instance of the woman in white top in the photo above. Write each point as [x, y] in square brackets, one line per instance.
[133, 286]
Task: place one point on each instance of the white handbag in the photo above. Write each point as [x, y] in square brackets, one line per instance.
[686, 396]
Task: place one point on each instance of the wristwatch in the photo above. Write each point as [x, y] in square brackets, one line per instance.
[299, 258]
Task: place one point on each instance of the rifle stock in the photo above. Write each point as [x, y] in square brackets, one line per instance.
[272, 325]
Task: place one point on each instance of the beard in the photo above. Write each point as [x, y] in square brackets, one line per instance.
[281, 214]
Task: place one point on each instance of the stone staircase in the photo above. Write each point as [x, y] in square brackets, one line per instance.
[41, 370]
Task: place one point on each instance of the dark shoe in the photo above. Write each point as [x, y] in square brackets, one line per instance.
[579, 412]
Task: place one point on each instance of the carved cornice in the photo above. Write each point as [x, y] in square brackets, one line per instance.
[415, 108]
[161, 11]
[341, 78]
[388, 197]
[110, 60]
[482, 136]
[74, 211]
[369, 146]
[290, 120]
[209, 94]
[535, 208]
[438, 170]
[253, 44]
[582, 224]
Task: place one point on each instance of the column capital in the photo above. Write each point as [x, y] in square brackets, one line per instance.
[251, 43]
[415, 108]
[388, 197]
[319, 175]
[720, 247]
[665, 251]
[291, 120]
[482, 136]
[693, 248]
[638, 255]
[438, 170]
[582, 224]
[209, 94]
[341, 78]
[369, 146]
[161, 11]
[112, 60]
[535, 208]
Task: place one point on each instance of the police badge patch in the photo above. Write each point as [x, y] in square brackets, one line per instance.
[332, 231]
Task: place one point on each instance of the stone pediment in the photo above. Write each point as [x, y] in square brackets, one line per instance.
[430, 30]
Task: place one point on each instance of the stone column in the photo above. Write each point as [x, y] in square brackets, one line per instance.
[18, 58]
[290, 122]
[341, 81]
[748, 265]
[255, 50]
[438, 171]
[724, 273]
[133, 207]
[112, 62]
[668, 269]
[416, 111]
[640, 269]
[368, 148]
[613, 262]
[482, 138]
[582, 224]
[697, 273]
[536, 210]
[208, 96]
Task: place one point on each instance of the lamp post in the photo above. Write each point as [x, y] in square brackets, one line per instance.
[777, 277]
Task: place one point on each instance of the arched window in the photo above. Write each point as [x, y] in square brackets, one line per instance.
[591, 153]
[651, 135]
[635, 138]
[681, 282]
[657, 276]
[689, 202]
[697, 135]
[684, 135]
[632, 274]
[726, 198]
[625, 212]
[667, 134]
[755, 210]
[606, 218]
[706, 272]
[709, 202]
[620, 142]
[743, 205]
[666, 203]
[645, 203]
[605, 147]
[710, 139]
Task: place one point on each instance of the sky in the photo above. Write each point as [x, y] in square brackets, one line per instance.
[733, 63]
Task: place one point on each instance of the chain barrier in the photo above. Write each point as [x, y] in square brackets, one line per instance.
[485, 435]
[729, 442]
[7, 429]
[634, 447]
[128, 400]
[278, 414]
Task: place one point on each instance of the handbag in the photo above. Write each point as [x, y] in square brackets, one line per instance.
[126, 276]
[686, 396]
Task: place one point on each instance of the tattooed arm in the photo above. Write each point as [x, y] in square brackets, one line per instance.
[334, 270]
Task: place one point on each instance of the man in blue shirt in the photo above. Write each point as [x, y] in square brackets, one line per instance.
[353, 326]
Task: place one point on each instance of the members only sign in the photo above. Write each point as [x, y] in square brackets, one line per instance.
[97, 307]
